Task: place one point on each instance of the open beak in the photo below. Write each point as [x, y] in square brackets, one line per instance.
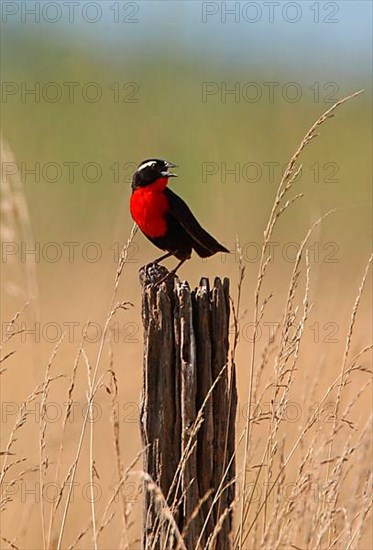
[167, 173]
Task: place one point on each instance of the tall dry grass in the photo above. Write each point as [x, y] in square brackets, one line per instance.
[302, 482]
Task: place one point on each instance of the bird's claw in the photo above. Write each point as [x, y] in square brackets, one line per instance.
[153, 274]
[164, 279]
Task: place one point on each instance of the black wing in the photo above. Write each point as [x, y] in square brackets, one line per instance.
[203, 243]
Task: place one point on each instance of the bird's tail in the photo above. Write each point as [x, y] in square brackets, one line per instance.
[209, 247]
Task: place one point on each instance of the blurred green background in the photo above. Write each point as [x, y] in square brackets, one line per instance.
[169, 118]
[151, 74]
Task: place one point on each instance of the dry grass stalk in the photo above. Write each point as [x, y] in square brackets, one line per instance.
[94, 384]
[328, 460]
[285, 185]
[16, 226]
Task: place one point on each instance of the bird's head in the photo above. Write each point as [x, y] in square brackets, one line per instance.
[151, 170]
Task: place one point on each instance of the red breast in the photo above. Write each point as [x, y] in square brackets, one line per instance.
[148, 206]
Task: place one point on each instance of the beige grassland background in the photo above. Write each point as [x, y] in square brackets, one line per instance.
[170, 120]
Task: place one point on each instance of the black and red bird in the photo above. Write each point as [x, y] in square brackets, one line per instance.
[164, 218]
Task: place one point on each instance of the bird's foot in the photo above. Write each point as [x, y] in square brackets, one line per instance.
[153, 274]
[150, 264]
[167, 277]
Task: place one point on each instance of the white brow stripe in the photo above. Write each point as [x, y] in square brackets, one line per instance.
[149, 163]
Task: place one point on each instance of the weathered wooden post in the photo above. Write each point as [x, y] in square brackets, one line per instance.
[188, 412]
